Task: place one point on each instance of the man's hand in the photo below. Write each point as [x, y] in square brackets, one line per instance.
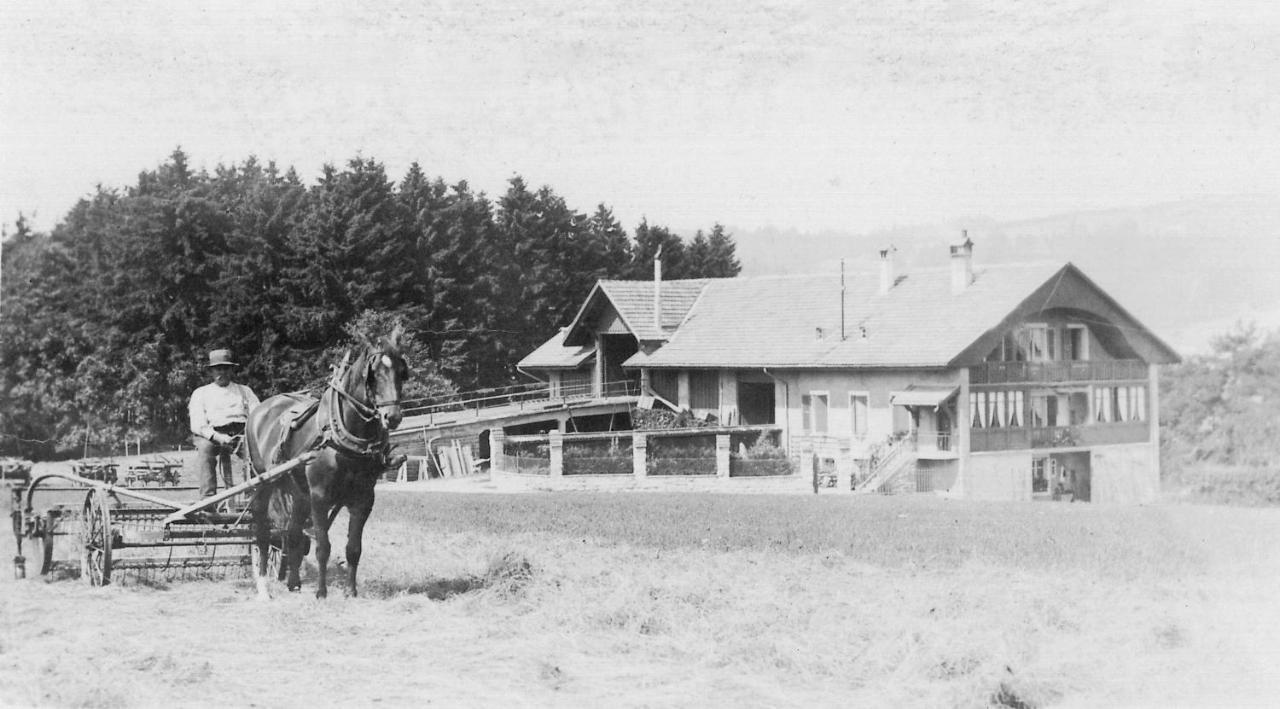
[220, 438]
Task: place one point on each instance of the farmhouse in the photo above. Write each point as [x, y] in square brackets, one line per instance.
[1001, 382]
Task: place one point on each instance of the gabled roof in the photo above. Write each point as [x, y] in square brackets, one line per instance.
[633, 302]
[554, 354]
[797, 321]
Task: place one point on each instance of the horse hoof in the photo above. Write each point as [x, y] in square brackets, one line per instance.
[295, 589]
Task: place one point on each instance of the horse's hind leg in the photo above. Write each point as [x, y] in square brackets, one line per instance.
[262, 545]
[320, 527]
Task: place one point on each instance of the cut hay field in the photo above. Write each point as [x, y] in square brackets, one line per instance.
[639, 599]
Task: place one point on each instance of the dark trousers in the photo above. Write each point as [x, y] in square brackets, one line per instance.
[210, 454]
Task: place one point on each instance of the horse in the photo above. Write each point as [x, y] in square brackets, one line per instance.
[346, 428]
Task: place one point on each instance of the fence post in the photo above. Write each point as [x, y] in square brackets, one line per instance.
[497, 452]
[555, 439]
[722, 455]
[640, 455]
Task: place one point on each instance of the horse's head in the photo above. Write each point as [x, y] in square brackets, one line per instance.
[385, 372]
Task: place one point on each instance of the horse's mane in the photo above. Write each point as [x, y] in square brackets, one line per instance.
[386, 343]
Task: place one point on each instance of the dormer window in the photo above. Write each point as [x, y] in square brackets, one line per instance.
[1075, 343]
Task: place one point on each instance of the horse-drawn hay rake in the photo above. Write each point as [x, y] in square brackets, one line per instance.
[140, 533]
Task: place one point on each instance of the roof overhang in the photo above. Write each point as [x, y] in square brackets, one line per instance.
[922, 396]
[1112, 320]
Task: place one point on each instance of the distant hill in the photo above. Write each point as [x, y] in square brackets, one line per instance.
[1189, 270]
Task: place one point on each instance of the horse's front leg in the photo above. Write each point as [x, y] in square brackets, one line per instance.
[357, 515]
[320, 527]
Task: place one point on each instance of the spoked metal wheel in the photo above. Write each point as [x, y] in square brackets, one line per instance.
[95, 539]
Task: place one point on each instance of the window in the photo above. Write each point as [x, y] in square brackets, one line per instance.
[813, 412]
[1076, 343]
[1043, 470]
[1120, 404]
[1016, 415]
[1012, 347]
[976, 419]
[1042, 343]
[858, 407]
[1102, 405]
[1039, 475]
[1044, 410]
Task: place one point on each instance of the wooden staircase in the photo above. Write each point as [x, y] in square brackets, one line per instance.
[893, 471]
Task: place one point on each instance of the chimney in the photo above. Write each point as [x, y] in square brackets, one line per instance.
[888, 270]
[962, 264]
[657, 290]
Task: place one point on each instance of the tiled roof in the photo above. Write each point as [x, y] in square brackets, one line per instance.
[553, 354]
[795, 321]
[634, 303]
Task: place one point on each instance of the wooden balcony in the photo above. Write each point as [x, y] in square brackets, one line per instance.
[1050, 372]
[1083, 436]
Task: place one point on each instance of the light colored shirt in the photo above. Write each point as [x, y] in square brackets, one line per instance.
[212, 406]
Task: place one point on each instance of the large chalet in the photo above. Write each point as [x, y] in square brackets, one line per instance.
[1009, 382]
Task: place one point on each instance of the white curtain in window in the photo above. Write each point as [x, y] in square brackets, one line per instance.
[1019, 416]
[1122, 402]
[1140, 410]
[1002, 415]
[1108, 404]
[975, 409]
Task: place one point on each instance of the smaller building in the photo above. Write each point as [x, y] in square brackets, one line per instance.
[1003, 382]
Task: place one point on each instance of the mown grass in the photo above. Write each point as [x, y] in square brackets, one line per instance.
[643, 599]
[916, 532]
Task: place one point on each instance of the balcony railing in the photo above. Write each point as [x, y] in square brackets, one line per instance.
[1083, 436]
[1067, 371]
[939, 441]
[517, 395]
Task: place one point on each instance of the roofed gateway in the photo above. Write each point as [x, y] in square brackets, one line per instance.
[1014, 381]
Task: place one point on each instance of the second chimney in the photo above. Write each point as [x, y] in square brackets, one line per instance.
[888, 269]
[962, 264]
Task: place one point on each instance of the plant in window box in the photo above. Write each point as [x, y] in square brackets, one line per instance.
[1064, 437]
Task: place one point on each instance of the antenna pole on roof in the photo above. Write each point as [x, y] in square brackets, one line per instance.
[657, 290]
[842, 335]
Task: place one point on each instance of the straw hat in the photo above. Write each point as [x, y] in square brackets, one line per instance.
[221, 358]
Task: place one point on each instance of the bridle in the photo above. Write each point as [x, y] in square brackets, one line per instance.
[336, 432]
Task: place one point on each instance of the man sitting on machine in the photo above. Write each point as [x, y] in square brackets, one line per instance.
[218, 413]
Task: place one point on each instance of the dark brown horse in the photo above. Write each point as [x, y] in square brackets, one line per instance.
[347, 427]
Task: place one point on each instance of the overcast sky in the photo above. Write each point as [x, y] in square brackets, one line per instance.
[825, 115]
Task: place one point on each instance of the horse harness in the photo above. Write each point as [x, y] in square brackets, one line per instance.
[333, 428]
